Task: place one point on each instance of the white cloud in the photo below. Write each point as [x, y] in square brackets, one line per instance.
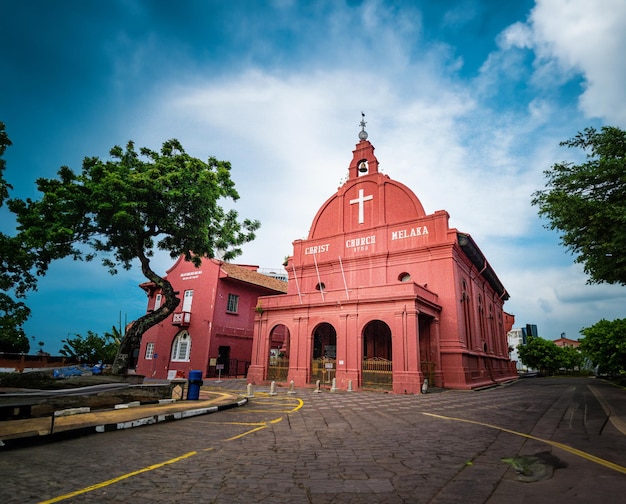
[517, 35]
[289, 136]
[578, 36]
[288, 139]
[558, 299]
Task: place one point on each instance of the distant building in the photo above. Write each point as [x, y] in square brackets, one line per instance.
[211, 330]
[516, 337]
[565, 342]
[383, 295]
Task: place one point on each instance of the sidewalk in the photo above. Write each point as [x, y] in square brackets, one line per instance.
[79, 422]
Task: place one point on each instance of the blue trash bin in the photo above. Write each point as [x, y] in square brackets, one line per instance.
[194, 384]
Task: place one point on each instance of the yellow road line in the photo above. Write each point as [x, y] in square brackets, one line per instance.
[246, 433]
[569, 449]
[259, 426]
[267, 411]
[118, 479]
[246, 424]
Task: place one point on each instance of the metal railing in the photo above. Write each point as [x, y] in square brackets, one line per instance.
[181, 318]
[323, 369]
[278, 369]
[377, 372]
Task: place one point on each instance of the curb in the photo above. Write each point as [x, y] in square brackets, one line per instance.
[35, 438]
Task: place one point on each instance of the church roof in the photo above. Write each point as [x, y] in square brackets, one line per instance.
[252, 277]
[471, 250]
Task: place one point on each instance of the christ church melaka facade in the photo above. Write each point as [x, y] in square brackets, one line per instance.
[383, 295]
[211, 330]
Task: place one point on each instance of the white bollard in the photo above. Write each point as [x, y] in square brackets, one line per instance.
[333, 387]
[425, 386]
[317, 387]
[249, 392]
[292, 386]
[273, 389]
[350, 386]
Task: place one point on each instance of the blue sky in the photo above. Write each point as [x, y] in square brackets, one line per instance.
[466, 102]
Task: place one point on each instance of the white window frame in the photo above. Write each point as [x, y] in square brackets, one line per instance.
[157, 301]
[181, 347]
[233, 303]
[149, 351]
[187, 300]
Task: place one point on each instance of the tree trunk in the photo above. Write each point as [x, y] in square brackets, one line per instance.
[132, 338]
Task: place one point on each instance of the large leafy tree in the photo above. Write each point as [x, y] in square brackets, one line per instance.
[586, 203]
[130, 206]
[16, 275]
[605, 345]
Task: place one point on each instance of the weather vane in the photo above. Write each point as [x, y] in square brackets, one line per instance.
[362, 133]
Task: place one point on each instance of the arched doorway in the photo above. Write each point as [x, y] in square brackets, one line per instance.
[377, 365]
[278, 364]
[324, 354]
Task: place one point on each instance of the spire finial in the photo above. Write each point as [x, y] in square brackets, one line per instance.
[362, 133]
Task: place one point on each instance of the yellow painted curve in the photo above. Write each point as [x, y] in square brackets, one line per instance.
[561, 446]
[257, 427]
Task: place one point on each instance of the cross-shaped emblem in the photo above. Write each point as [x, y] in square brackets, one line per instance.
[360, 200]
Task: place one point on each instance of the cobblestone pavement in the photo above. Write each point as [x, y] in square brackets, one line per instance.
[359, 447]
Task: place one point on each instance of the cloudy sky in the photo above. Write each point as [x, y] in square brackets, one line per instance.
[466, 102]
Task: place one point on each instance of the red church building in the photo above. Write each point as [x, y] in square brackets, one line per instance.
[382, 294]
[212, 328]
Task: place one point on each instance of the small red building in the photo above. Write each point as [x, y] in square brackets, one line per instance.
[382, 294]
[213, 326]
[566, 342]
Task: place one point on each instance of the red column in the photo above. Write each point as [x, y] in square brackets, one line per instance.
[407, 376]
[260, 350]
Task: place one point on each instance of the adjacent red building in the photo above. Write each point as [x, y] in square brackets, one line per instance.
[383, 295]
[213, 326]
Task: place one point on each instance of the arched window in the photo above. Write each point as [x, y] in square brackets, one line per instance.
[404, 277]
[181, 347]
[467, 314]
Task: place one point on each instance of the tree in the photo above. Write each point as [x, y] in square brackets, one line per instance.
[4, 143]
[571, 358]
[605, 345]
[586, 202]
[12, 315]
[129, 207]
[90, 349]
[16, 277]
[540, 354]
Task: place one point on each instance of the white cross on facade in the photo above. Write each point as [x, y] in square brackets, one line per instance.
[360, 200]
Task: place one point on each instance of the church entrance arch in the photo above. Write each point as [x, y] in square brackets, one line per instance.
[324, 354]
[278, 365]
[376, 368]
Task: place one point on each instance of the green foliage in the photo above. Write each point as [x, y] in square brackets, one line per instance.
[12, 336]
[540, 354]
[129, 207]
[16, 277]
[605, 345]
[586, 202]
[4, 143]
[546, 356]
[571, 358]
[90, 349]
